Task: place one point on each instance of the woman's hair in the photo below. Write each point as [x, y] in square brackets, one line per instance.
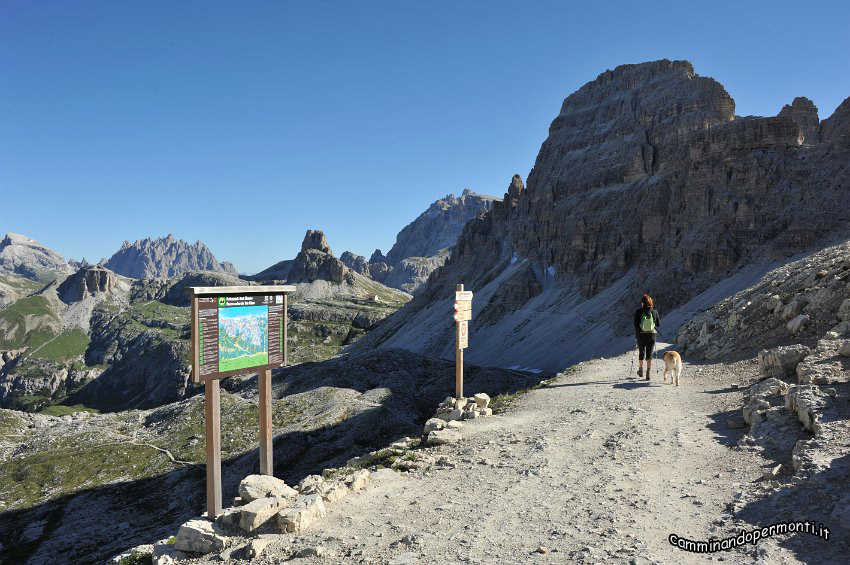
[646, 300]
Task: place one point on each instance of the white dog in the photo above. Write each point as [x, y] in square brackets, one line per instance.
[673, 365]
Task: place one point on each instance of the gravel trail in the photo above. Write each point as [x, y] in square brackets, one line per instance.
[594, 467]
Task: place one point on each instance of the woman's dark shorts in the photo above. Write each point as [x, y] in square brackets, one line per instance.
[646, 343]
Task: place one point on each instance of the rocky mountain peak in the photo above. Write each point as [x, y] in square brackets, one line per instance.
[25, 256]
[164, 257]
[805, 114]
[377, 257]
[315, 262]
[315, 239]
[438, 227]
[838, 124]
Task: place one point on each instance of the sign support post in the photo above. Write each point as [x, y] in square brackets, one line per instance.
[463, 314]
[260, 312]
[212, 415]
[264, 382]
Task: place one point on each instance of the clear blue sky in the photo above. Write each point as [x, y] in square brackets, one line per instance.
[243, 124]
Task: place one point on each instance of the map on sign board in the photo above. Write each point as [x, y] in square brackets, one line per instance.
[243, 339]
[239, 334]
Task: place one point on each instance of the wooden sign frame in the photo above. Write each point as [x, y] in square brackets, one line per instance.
[212, 389]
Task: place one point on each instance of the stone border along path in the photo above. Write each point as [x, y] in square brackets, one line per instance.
[592, 467]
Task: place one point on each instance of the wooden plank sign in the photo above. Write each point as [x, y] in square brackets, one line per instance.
[463, 295]
[463, 315]
[463, 305]
[236, 330]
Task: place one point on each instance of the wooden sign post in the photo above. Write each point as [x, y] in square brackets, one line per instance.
[463, 314]
[236, 330]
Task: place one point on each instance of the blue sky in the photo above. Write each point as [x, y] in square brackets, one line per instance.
[243, 124]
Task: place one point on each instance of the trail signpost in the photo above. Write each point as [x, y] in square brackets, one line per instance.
[462, 316]
[236, 330]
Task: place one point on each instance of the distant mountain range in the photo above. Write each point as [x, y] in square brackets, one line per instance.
[164, 257]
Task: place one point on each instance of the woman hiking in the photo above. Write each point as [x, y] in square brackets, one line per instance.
[646, 324]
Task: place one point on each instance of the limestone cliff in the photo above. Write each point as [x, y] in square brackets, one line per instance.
[646, 182]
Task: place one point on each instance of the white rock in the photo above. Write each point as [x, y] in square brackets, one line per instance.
[796, 325]
[358, 480]
[334, 492]
[460, 403]
[200, 536]
[229, 517]
[781, 361]
[256, 547]
[305, 510]
[254, 487]
[311, 484]
[258, 512]
[443, 437]
[482, 400]
[453, 415]
[433, 424]
[487, 412]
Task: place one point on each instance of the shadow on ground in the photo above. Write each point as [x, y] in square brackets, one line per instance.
[403, 390]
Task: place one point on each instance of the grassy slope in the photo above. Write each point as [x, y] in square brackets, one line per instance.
[32, 311]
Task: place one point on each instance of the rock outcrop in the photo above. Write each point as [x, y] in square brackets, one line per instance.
[88, 281]
[164, 257]
[837, 126]
[805, 114]
[646, 182]
[28, 258]
[316, 262]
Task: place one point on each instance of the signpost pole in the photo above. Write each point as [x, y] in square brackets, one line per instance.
[285, 330]
[458, 357]
[266, 460]
[212, 413]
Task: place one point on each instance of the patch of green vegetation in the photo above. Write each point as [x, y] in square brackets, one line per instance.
[32, 311]
[10, 423]
[72, 464]
[65, 346]
[501, 402]
[137, 559]
[63, 410]
[21, 284]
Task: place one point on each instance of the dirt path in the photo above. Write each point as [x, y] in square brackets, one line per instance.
[593, 467]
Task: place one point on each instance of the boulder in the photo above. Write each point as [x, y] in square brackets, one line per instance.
[796, 325]
[781, 362]
[358, 480]
[258, 512]
[443, 437]
[229, 517]
[482, 400]
[793, 309]
[433, 424]
[757, 400]
[164, 553]
[844, 350]
[254, 487]
[200, 536]
[844, 310]
[452, 415]
[334, 492]
[311, 484]
[807, 401]
[305, 510]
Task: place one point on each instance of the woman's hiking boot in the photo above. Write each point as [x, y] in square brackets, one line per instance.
[640, 372]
